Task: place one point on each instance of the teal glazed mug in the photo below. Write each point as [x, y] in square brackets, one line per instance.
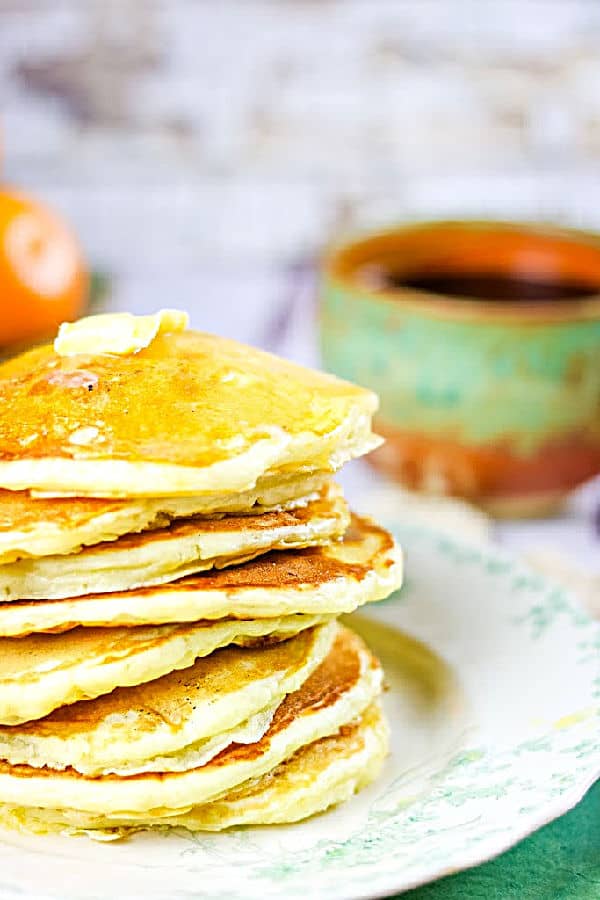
[482, 340]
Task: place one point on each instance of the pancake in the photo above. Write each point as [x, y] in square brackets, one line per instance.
[131, 727]
[316, 777]
[338, 691]
[365, 566]
[38, 526]
[184, 547]
[188, 414]
[41, 672]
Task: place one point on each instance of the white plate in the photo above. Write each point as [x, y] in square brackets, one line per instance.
[496, 731]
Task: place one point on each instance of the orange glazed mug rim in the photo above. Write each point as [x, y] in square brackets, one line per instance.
[342, 260]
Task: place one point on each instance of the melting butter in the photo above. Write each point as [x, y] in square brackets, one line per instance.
[119, 333]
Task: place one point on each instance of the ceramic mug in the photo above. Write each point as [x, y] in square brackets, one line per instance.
[483, 341]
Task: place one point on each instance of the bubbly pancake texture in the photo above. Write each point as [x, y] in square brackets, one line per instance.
[364, 567]
[318, 776]
[184, 547]
[338, 691]
[189, 414]
[40, 526]
[132, 726]
[41, 672]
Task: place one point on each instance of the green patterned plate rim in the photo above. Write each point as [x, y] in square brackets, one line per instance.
[494, 700]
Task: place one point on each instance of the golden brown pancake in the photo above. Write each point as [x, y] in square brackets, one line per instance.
[186, 546]
[129, 727]
[46, 526]
[338, 691]
[319, 775]
[189, 414]
[365, 566]
[41, 672]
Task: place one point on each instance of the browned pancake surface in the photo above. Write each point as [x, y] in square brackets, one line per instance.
[18, 510]
[188, 398]
[172, 698]
[328, 505]
[338, 673]
[312, 566]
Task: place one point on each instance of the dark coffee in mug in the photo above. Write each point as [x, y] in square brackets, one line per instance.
[486, 286]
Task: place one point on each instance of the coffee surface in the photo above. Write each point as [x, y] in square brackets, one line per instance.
[484, 286]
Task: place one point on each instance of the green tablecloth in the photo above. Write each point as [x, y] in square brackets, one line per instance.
[559, 862]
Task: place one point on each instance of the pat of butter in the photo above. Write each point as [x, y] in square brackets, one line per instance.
[120, 333]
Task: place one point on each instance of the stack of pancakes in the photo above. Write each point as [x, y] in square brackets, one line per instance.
[173, 557]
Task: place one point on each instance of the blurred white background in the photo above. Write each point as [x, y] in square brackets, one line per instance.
[205, 151]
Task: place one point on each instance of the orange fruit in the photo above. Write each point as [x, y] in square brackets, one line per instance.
[43, 278]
